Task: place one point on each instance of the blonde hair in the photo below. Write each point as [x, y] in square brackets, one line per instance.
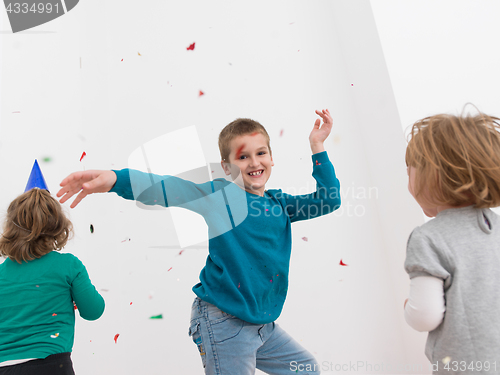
[457, 159]
[240, 126]
[34, 226]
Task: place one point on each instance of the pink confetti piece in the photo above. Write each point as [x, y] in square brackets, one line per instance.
[342, 263]
[122, 59]
[116, 337]
[180, 252]
[16, 112]
[305, 239]
[281, 132]
[54, 314]
[83, 155]
[191, 47]
[126, 239]
[169, 269]
[239, 285]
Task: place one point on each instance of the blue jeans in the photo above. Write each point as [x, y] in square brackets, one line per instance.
[231, 346]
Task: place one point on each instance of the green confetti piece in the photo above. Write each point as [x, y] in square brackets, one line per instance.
[157, 317]
[91, 228]
[47, 159]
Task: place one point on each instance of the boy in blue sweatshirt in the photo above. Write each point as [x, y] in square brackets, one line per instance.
[244, 283]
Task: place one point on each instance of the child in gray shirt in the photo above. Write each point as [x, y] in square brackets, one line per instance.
[454, 260]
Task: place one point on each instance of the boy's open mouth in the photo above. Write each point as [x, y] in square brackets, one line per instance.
[256, 173]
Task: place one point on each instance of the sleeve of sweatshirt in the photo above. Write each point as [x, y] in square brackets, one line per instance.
[324, 200]
[166, 191]
[89, 302]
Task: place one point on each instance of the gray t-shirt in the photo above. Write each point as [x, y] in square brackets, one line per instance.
[462, 247]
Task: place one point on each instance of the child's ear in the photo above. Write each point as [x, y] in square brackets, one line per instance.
[272, 162]
[225, 167]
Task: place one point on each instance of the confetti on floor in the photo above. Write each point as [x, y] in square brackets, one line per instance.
[305, 239]
[201, 93]
[91, 228]
[116, 337]
[191, 47]
[83, 155]
[54, 336]
[157, 317]
[342, 263]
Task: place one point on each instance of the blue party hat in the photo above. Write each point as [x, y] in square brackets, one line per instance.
[36, 179]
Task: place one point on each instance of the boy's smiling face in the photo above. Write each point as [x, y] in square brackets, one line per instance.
[250, 154]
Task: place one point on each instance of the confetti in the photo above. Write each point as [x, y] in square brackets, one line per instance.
[47, 159]
[352, 84]
[122, 59]
[54, 314]
[305, 239]
[104, 290]
[238, 152]
[83, 155]
[16, 112]
[191, 47]
[180, 252]
[130, 303]
[74, 304]
[446, 360]
[116, 337]
[318, 163]
[201, 93]
[342, 263]
[54, 336]
[239, 285]
[91, 228]
[126, 239]
[169, 269]
[157, 317]
[281, 133]
[139, 54]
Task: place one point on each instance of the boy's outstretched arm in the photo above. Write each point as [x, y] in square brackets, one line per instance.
[87, 182]
[319, 134]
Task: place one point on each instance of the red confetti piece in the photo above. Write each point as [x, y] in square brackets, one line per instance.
[116, 337]
[126, 239]
[238, 152]
[54, 314]
[239, 285]
[201, 93]
[130, 303]
[76, 308]
[180, 252]
[83, 155]
[271, 280]
[305, 239]
[169, 269]
[318, 163]
[342, 263]
[122, 59]
[191, 47]
[281, 133]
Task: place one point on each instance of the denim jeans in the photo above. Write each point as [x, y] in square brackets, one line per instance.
[231, 346]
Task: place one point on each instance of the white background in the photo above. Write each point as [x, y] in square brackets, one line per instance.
[276, 62]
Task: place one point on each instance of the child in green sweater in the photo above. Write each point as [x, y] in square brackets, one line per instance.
[40, 288]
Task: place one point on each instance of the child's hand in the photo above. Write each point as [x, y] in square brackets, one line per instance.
[319, 134]
[86, 183]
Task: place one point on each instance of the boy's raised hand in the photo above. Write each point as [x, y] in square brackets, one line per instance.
[87, 182]
[320, 133]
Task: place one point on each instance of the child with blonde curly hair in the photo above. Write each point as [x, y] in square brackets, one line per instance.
[453, 260]
[39, 288]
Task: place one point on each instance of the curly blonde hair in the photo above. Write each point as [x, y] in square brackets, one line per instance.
[457, 159]
[34, 226]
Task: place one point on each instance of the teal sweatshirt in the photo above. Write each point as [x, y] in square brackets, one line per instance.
[250, 237]
[37, 315]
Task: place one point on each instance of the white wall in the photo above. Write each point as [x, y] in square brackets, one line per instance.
[273, 61]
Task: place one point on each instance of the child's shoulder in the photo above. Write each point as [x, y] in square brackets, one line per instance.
[63, 258]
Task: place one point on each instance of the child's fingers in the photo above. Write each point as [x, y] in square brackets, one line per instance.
[78, 199]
